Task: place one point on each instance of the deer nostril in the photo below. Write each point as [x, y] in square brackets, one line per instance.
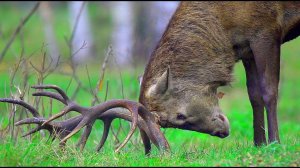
[181, 117]
[222, 117]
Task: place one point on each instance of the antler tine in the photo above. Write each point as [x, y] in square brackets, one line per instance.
[82, 123]
[107, 123]
[129, 135]
[111, 114]
[62, 97]
[32, 131]
[154, 129]
[63, 112]
[146, 141]
[31, 109]
[59, 90]
[84, 136]
[51, 95]
[33, 120]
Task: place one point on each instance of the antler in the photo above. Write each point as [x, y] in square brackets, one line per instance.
[92, 113]
[107, 112]
[57, 129]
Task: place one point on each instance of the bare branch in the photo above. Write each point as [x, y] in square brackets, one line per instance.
[101, 76]
[96, 98]
[22, 23]
[106, 92]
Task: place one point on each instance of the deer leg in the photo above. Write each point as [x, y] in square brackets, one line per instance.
[257, 102]
[267, 61]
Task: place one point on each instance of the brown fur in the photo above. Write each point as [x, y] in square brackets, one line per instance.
[196, 50]
[200, 46]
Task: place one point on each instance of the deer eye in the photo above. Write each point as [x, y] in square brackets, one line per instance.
[180, 117]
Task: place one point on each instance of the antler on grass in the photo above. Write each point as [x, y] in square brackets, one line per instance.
[128, 110]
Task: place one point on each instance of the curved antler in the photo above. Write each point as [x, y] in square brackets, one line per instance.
[136, 113]
[147, 131]
[62, 97]
[57, 129]
[91, 114]
[30, 108]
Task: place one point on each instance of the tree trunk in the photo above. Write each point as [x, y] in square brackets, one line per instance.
[46, 13]
[122, 36]
[82, 33]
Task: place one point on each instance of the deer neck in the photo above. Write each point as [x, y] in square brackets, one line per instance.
[196, 49]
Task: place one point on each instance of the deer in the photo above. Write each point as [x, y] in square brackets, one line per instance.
[198, 51]
[194, 57]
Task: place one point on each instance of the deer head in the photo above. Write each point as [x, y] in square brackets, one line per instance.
[186, 106]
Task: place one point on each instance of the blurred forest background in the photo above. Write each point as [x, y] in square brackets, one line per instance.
[95, 51]
[131, 28]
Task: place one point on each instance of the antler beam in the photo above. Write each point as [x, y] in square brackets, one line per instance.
[128, 110]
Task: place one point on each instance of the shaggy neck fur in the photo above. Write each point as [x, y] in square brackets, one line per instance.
[195, 48]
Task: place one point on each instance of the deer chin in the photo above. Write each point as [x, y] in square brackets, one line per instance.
[218, 132]
[165, 123]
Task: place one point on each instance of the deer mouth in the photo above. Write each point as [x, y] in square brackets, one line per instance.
[220, 134]
[166, 124]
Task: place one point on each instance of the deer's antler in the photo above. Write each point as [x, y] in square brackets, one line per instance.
[136, 113]
[56, 129]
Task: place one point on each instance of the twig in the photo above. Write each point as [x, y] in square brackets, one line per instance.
[22, 23]
[101, 76]
[120, 74]
[13, 112]
[69, 84]
[96, 98]
[88, 75]
[106, 92]
[71, 55]
[43, 72]
[122, 89]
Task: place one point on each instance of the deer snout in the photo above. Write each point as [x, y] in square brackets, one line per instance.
[222, 130]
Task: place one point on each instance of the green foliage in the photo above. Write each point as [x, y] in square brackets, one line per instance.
[188, 148]
[33, 32]
[197, 153]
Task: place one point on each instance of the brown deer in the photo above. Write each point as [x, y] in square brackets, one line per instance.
[197, 53]
[194, 57]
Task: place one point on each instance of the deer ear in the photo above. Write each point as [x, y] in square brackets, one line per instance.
[140, 79]
[163, 83]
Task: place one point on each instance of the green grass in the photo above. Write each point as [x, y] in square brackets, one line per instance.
[187, 148]
[196, 152]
